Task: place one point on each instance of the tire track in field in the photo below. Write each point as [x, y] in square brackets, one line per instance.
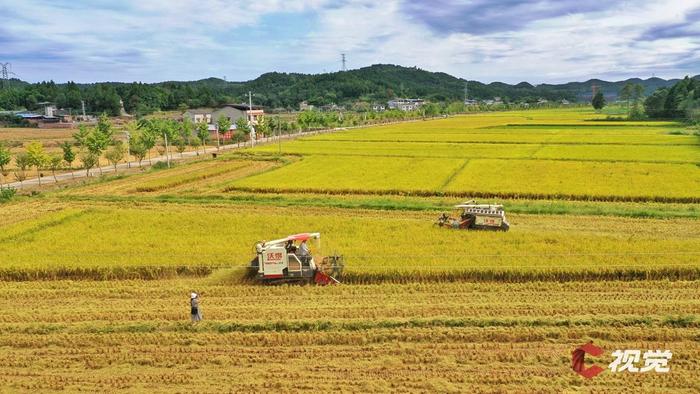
[454, 174]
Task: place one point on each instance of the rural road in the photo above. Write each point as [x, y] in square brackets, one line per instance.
[48, 179]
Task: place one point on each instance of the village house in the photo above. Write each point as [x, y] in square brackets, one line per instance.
[198, 115]
[305, 106]
[406, 104]
[236, 111]
[231, 111]
[332, 107]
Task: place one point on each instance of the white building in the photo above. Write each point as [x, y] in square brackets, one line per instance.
[406, 104]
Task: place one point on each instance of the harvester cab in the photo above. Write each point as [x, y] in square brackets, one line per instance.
[289, 260]
[473, 216]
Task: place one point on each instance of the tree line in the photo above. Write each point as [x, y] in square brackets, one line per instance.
[680, 101]
[354, 88]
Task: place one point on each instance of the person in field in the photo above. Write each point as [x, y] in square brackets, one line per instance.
[304, 250]
[195, 313]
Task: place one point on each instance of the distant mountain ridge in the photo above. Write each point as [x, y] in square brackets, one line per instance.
[381, 82]
[373, 84]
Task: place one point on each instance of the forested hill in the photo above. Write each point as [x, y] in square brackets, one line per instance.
[377, 83]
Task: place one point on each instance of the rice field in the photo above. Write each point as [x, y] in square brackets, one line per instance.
[604, 245]
[377, 246]
[134, 336]
[513, 155]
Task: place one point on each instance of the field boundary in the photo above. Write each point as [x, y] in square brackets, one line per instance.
[674, 162]
[467, 194]
[672, 273]
[492, 142]
[321, 200]
[227, 326]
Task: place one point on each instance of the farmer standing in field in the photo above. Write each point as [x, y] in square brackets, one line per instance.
[194, 308]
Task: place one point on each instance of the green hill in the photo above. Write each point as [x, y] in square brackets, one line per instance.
[376, 83]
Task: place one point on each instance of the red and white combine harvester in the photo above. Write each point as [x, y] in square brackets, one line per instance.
[285, 261]
[473, 216]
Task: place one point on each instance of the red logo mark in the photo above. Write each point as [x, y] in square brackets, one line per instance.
[578, 357]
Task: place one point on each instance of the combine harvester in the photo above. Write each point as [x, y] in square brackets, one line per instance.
[473, 216]
[282, 261]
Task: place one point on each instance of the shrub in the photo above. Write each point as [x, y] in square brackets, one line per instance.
[7, 193]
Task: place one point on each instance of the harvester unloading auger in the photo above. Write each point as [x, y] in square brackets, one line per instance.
[473, 216]
[282, 261]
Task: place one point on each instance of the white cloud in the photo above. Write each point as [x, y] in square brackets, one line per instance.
[569, 47]
[187, 39]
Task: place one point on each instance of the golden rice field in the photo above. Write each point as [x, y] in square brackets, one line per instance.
[604, 245]
[377, 245]
[521, 155]
[134, 336]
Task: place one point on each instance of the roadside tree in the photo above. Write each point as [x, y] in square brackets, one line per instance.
[89, 160]
[148, 137]
[137, 148]
[203, 134]
[23, 163]
[37, 157]
[115, 154]
[68, 156]
[54, 163]
[243, 127]
[5, 158]
[222, 124]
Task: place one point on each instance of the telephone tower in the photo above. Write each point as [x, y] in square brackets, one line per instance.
[342, 57]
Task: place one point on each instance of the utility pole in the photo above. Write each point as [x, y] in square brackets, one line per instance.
[250, 118]
[82, 103]
[466, 91]
[342, 56]
[167, 149]
[128, 148]
[279, 136]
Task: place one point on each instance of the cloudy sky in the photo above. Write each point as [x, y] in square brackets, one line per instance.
[486, 40]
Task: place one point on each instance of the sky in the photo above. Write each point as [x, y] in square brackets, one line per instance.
[542, 41]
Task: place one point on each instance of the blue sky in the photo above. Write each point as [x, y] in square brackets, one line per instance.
[486, 40]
